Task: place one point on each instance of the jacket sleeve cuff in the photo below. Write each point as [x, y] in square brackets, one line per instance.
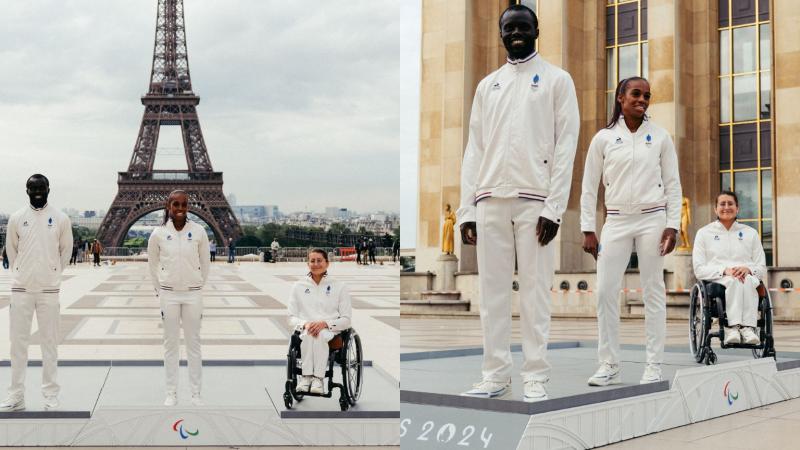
[466, 214]
[548, 213]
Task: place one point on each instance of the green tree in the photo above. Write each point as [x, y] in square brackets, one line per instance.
[339, 228]
[135, 242]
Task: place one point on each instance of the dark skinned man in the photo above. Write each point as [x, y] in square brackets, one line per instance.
[515, 183]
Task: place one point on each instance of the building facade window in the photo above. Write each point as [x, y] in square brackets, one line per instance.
[745, 87]
[626, 44]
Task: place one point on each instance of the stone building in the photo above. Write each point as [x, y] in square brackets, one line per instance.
[725, 78]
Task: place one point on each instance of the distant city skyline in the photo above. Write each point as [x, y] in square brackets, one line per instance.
[300, 113]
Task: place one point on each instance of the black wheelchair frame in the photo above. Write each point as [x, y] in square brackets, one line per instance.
[707, 301]
[349, 357]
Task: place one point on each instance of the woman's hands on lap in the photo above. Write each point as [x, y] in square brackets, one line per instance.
[313, 328]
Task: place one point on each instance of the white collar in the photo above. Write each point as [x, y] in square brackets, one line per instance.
[523, 60]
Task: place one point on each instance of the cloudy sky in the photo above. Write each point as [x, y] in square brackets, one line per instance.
[410, 47]
[299, 107]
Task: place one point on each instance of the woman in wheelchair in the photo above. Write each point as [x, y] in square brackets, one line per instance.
[730, 253]
[319, 308]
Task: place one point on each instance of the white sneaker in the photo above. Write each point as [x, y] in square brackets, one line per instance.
[652, 374]
[607, 374]
[171, 400]
[50, 403]
[732, 336]
[304, 383]
[534, 391]
[12, 404]
[197, 400]
[488, 389]
[749, 336]
[316, 386]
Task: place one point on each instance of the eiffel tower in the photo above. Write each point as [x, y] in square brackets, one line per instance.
[170, 101]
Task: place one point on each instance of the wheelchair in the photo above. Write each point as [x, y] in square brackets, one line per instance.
[345, 350]
[706, 302]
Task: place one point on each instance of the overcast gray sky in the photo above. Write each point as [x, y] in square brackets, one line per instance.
[410, 48]
[299, 106]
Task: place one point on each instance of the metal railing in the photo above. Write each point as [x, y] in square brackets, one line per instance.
[244, 254]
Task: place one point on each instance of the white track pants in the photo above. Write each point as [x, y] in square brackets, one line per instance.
[314, 354]
[741, 300]
[617, 240]
[505, 226]
[182, 310]
[23, 304]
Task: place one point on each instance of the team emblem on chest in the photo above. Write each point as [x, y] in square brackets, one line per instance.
[648, 140]
[535, 82]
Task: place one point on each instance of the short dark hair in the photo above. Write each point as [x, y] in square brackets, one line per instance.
[38, 175]
[731, 193]
[518, 7]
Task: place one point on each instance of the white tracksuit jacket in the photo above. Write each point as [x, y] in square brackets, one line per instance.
[639, 172]
[523, 131]
[716, 249]
[39, 245]
[328, 301]
[178, 259]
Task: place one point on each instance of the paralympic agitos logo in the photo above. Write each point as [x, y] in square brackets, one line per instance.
[726, 392]
[184, 433]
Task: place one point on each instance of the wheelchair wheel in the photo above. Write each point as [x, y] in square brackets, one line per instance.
[287, 400]
[291, 376]
[766, 350]
[353, 369]
[698, 328]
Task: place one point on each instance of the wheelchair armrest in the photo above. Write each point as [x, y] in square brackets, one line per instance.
[762, 290]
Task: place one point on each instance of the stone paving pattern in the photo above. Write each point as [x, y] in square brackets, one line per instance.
[111, 312]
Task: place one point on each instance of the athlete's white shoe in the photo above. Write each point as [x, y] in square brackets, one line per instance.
[51, 403]
[605, 375]
[171, 400]
[534, 391]
[304, 383]
[316, 386]
[488, 389]
[652, 374]
[749, 336]
[12, 404]
[732, 336]
[197, 400]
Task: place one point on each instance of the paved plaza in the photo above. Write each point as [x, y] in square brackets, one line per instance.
[110, 312]
[771, 426]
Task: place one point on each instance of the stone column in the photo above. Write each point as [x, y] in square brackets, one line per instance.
[786, 98]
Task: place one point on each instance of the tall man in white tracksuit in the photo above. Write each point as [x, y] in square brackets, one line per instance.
[638, 165]
[515, 182]
[177, 253]
[39, 246]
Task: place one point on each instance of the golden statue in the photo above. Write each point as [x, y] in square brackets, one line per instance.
[447, 230]
[686, 219]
